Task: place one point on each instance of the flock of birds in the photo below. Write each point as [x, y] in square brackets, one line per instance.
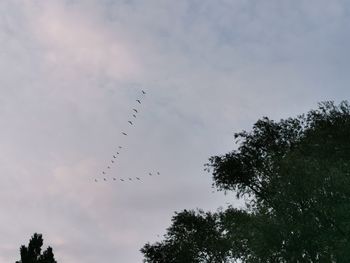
[114, 157]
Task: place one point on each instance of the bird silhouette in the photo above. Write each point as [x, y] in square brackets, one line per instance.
[135, 111]
[158, 173]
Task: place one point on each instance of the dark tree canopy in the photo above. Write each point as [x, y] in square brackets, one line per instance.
[295, 176]
[32, 253]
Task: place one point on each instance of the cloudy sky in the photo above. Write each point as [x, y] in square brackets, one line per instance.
[71, 71]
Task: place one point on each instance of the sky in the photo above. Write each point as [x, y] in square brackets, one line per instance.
[71, 71]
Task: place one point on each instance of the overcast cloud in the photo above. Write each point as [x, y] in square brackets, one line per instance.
[71, 71]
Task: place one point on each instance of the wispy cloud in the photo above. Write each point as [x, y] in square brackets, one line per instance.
[71, 72]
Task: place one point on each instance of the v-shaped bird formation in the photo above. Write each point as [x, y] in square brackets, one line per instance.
[107, 173]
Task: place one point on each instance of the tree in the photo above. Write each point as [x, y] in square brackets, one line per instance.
[295, 177]
[32, 253]
[193, 237]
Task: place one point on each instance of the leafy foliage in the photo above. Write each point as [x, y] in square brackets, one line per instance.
[297, 175]
[193, 237]
[32, 253]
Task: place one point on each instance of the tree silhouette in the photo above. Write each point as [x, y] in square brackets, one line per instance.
[295, 177]
[32, 253]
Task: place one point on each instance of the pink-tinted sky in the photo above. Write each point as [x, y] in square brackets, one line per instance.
[71, 72]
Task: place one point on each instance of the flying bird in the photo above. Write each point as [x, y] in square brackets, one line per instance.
[138, 178]
[114, 156]
[96, 180]
[135, 110]
[120, 147]
[104, 179]
[117, 152]
[150, 174]
[112, 161]
[158, 173]
[108, 167]
[130, 179]
[122, 180]
[138, 101]
[134, 115]
[104, 172]
[114, 179]
[143, 92]
[124, 133]
[130, 122]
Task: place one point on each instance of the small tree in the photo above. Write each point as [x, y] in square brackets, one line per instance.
[32, 253]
